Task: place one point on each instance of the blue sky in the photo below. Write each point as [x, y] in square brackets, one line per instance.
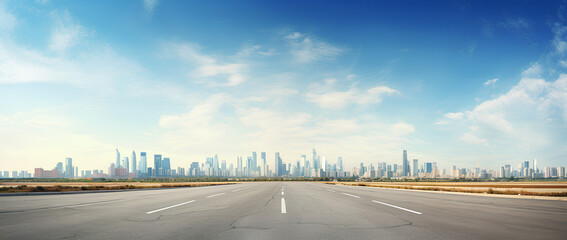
[468, 83]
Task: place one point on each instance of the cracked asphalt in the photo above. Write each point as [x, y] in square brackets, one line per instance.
[255, 211]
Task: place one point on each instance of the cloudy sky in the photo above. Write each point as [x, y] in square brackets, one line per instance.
[457, 82]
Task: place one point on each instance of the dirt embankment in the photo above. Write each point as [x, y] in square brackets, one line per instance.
[8, 187]
[553, 189]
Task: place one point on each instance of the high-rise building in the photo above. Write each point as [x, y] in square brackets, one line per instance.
[405, 165]
[194, 170]
[69, 167]
[239, 166]
[117, 158]
[134, 166]
[428, 167]
[340, 164]
[248, 165]
[223, 165]
[59, 168]
[278, 165]
[263, 171]
[324, 164]
[314, 159]
[507, 170]
[157, 165]
[143, 162]
[415, 168]
[263, 157]
[166, 164]
[254, 162]
[126, 164]
[209, 162]
[216, 162]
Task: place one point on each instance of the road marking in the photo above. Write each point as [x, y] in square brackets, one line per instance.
[215, 195]
[176, 205]
[351, 195]
[283, 206]
[236, 190]
[394, 206]
[330, 190]
[282, 193]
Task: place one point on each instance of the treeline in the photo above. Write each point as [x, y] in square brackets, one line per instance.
[258, 179]
[511, 179]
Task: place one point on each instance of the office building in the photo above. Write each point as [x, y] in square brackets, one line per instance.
[134, 166]
[69, 167]
[157, 165]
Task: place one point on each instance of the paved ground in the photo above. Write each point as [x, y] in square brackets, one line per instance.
[274, 210]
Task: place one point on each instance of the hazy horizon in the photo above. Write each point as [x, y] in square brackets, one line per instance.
[451, 82]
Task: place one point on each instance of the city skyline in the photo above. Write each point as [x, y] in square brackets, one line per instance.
[186, 79]
[318, 166]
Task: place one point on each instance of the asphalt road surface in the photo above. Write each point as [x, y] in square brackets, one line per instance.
[279, 210]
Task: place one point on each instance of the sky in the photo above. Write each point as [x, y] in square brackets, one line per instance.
[469, 83]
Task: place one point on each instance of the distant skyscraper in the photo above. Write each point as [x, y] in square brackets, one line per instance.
[248, 164]
[340, 164]
[263, 157]
[134, 166]
[126, 165]
[209, 162]
[223, 165]
[117, 158]
[194, 170]
[415, 168]
[239, 166]
[314, 159]
[324, 164]
[59, 168]
[143, 162]
[166, 164]
[216, 162]
[69, 167]
[278, 165]
[254, 162]
[405, 165]
[428, 167]
[157, 164]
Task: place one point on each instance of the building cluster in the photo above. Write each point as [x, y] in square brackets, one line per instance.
[307, 166]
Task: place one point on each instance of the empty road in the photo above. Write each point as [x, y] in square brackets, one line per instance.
[279, 210]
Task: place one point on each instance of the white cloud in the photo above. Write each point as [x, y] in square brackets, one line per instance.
[294, 35]
[454, 116]
[270, 52]
[7, 20]
[530, 114]
[35, 138]
[101, 67]
[534, 71]
[227, 121]
[202, 127]
[471, 138]
[150, 5]
[490, 82]
[326, 97]
[307, 49]
[65, 33]
[559, 41]
[402, 129]
[206, 68]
